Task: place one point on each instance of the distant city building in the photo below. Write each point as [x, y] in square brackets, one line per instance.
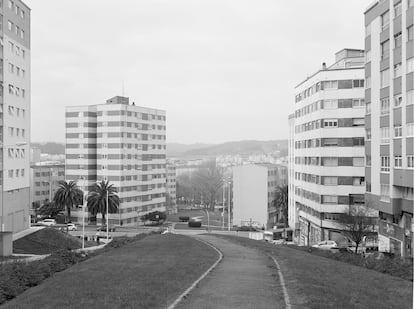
[44, 180]
[328, 136]
[389, 96]
[35, 155]
[121, 143]
[171, 189]
[254, 188]
[187, 167]
[15, 116]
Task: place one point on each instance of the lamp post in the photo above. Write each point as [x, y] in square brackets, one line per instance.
[222, 210]
[2, 182]
[107, 215]
[85, 201]
[228, 208]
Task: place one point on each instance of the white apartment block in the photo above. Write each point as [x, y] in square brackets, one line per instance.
[293, 218]
[254, 187]
[122, 143]
[171, 189]
[389, 96]
[15, 115]
[329, 148]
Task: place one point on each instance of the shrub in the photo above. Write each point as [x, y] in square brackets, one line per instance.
[194, 223]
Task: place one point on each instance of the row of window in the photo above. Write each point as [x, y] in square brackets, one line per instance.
[47, 174]
[317, 214]
[330, 142]
[14, 111]
[15, 49]
[330, 180]
[397, 42]
[330, 161]
[329, 85]
[14, 7]
[143, 147]
[139, 126]
[329, 104]
[357, 199]
[398, 162]
[14, 90]
[15, 69]
[16, 153]
[16, 173]
[137, 136]
[385, 103]
[330, 123]
[16, 132]
[141, 116]
[15, 28]
[385, 133]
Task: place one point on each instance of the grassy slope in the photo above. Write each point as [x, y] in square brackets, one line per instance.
[317, 282]
[149, 273]
[45, 241]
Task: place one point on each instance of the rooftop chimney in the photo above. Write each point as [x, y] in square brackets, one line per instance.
[324, 66]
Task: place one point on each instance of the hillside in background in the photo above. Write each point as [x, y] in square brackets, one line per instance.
[50, 147]
[248, 147]
[177, 149]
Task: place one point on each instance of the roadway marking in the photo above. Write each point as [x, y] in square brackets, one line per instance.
[282, 283]
[187, 291]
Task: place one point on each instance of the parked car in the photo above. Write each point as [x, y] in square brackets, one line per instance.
[194, 222]
[71, 227]
[246, 228]
[326, 245]
[103, 228]
[47, 222]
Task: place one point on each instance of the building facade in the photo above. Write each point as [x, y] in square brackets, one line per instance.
[329, 149]
[171, 189]
[254, 190]
[44, 181]
[15, 115]
[293, 218]
[389, 96]
[124, 144]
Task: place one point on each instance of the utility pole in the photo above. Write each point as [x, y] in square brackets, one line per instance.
[228, 208]
[222, 210]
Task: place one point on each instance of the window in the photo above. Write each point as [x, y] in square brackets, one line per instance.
[410, 161]
[385, 135]
[398, 161]
[410, 33]
[330, 181]
[397, 131]
[385, 78]
[368, 56]
[408, 194]
[329, 142]
[410, 129]
[330, 123]
[368, 160]
[358, 161]
[397, 70]
[345, 84]
[410, 3]
[410, 65]
[22, 172]
[397, 100]
[22, 34]
[330, 199]
[358, 103]
[385, 20]
[368, 108]
[397, 9]
[368, 134]
[330, 104]
[410, 97]
[10, 172]
[330, 161]
[358, 181]
[368, 82]
[385, 193]
[330, 84]
[9, 25]
[358, 122]
[22, 14]
[385, 163]
[385, 106]
[398, 40]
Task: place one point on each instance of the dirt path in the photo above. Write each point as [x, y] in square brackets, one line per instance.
[244, 279]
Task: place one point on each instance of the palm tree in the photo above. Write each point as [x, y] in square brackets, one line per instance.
[281, 201]
[67, 195]
[97, 199]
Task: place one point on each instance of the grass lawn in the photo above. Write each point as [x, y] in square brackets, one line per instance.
[149, 273]
[46, 241]
[317, 282]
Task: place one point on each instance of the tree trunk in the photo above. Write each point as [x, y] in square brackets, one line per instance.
[103, 218]
[356, 248]
[68, 211]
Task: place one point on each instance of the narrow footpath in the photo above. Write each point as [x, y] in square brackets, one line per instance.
[245, 278]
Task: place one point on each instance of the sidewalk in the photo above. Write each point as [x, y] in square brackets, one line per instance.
[244, 279]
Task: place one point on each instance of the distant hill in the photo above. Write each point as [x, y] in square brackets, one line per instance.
[248, 147]
[177, 149]
[50, 147]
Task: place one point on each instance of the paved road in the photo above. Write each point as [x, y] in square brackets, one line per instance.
[244, 279]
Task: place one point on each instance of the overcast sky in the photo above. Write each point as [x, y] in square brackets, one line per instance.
[222, 69]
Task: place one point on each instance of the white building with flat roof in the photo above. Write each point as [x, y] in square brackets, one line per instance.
[122, 143]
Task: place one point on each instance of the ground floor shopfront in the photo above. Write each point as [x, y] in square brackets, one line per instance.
[395, 239]
[311, 233]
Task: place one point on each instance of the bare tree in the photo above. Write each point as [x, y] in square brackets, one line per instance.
[208, 181]
[358, 222]
[281, 202]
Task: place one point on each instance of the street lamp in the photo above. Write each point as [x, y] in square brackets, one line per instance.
[2, 181]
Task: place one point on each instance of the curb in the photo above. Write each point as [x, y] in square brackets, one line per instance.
[282, 283]
[194, 284]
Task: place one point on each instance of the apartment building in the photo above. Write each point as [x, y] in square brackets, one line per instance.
[44, 181]
[329, 148]
[389, 96]
[171, 188]
[14, 115]
[254, 188]
[122, 143]
[293, 218]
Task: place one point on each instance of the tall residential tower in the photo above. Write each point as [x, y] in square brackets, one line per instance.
[124, 144]
[389, 96]
[14, 115]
